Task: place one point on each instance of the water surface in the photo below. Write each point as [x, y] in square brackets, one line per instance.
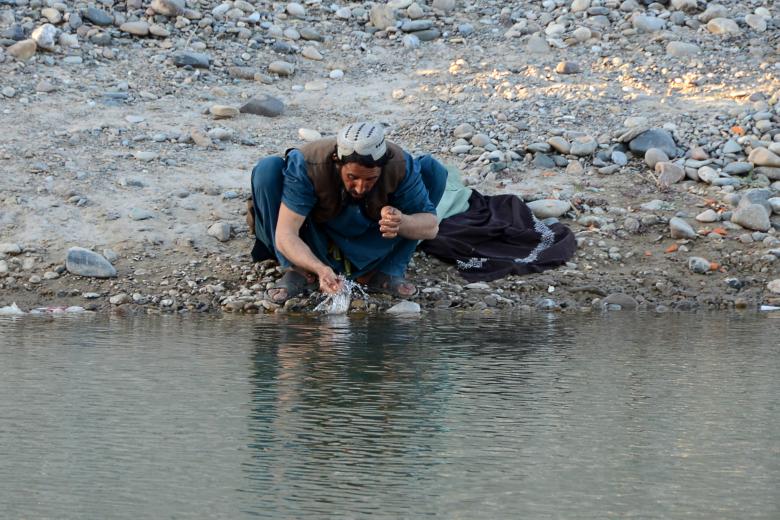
[528, 416]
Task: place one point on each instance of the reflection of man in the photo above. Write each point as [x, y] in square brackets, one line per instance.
[355, 205]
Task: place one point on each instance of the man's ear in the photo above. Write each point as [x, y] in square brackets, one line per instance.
[334, 156]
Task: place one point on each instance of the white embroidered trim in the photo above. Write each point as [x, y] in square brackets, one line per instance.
[547, 240]
[548, 237]
[471, 263]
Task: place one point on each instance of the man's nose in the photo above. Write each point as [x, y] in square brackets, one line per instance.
[360, 187]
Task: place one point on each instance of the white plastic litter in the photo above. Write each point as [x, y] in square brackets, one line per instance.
[770, 308]
[339, 302]
[11, 310]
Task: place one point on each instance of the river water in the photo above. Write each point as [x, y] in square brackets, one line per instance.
[620, 415]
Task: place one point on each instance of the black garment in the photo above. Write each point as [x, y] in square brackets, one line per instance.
[498, 236]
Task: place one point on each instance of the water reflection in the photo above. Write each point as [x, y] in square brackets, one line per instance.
[542, 416]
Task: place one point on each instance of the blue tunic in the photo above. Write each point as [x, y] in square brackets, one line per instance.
[356, 236]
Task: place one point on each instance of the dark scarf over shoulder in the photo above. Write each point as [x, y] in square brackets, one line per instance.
[326, 179]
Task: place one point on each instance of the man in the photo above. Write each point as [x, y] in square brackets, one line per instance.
[355, 205]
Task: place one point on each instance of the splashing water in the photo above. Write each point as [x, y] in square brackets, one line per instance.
[338, 303]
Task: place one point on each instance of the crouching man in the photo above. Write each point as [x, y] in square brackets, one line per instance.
[355, 205]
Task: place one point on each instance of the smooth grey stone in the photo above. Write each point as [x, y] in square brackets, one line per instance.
[416, 25]
[731, 146]
[654, 138]
[643, 23]
[427, 35]
[560, 161]
[583, 146]
[263, 105]
[540, 147]
[192, 59]
[168, 7]
[568, 67]
[752, 216]
[682, 49]
[543, 161]
[98, 16]
[699, 265]
[103, 39]
[10, 249]
[773, 174]
[738, 168]
[411, 41]
[619, 158]
[465, 29]
[621, 300]
[282, 47]
[654, 156]
[404, 307]
[220, 231]
[546, 208]
[310, 34]
[756, 196]
[84, 262]
[680, 229]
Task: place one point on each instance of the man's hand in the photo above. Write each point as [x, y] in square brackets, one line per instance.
[330, 283]
[390, 222]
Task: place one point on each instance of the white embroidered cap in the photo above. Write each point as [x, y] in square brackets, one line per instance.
[367, 139]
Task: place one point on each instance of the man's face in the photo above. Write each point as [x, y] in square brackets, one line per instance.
[358, 180]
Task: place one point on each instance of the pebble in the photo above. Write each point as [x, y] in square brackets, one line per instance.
[192, 59]
[568, 67]
[738, 168]
[754, 21]
[282, 68]
[83, 262]
[295, 10]
[44, 37]
[654, 156]
[119, 299]
[168, 7]
[135, 28]
[220, 231]
[410, 41]
[309, 135]
[619, 301]
[682, 49]
[708, 215]
[774, 286]
[669, 173]
[480, 140]
[752, 216]
[311, 53]
[723, 26]
[708, 175]
[336, 74]
[382, 16]
[98, 16]
[583, 146]
[762, 157]
[223, 111]
[546, 208]
[654, 138]
[558, 143]
[145, 156]
[9, 248]
[699, 265]
[404, 307]
[647, 24]
[263, 105]
[23, 50]
[679, 228]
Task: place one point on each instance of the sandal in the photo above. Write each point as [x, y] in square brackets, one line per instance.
[393, 285]
[292, 283]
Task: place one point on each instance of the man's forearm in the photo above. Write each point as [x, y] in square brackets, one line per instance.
[298, 253]
[419, 226]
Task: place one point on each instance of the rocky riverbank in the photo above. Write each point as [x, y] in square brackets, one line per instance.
[651, 129]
